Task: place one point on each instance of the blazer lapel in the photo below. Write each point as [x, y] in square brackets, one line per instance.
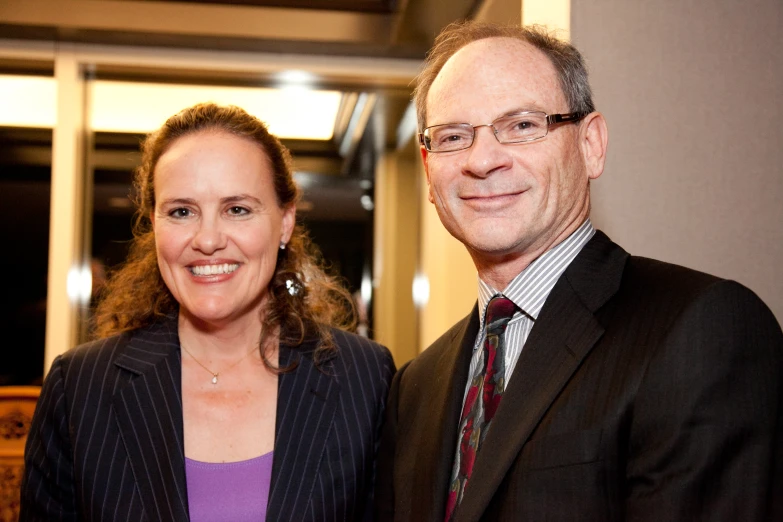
[306, 404]
[438, 436]
[564, 334]
[148, 410]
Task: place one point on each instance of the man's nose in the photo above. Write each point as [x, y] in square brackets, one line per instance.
[487, 154]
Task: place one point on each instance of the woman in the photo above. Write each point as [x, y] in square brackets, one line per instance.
[267, 410]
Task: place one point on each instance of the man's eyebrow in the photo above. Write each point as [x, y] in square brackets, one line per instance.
[527, 108]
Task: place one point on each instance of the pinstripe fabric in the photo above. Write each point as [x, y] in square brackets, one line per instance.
[528, 291]
[332, 422]
[107, 436]
[645, 392]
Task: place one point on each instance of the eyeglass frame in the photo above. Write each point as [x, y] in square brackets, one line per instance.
[551, 119]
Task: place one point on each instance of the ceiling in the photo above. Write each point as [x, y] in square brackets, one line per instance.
[383, 28]
[380, 38]
[372, 6]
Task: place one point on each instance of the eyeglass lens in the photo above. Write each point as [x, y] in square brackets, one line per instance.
[515, 128]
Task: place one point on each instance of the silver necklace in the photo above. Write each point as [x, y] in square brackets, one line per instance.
[215, 375]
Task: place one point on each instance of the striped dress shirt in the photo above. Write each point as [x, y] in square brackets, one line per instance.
[528, 291]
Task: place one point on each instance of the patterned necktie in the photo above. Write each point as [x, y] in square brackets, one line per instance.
[489, 381]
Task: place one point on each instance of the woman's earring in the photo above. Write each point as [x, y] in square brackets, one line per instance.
[282, 246]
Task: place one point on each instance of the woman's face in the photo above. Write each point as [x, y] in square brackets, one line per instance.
[218, 226]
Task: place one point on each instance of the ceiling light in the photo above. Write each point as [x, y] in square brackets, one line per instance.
[304, 205]
[421, 290]
[143, 107]
[366, 202]
[135, 107]
[28, 101]
[118, 202]
[295, 77]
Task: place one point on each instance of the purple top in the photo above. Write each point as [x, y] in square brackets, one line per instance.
[231, 491]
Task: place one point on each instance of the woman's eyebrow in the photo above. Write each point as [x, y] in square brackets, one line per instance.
[178, 201]
[241, 197]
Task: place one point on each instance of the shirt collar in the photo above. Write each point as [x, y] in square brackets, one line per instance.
[530, 288]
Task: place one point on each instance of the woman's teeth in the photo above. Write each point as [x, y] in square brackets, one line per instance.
[208, 270]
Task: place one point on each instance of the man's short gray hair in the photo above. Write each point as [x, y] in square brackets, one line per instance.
[568, 62]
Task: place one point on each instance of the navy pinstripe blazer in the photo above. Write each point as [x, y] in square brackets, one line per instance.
[107, 436]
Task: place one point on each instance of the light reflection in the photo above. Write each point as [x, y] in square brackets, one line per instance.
[134, 107]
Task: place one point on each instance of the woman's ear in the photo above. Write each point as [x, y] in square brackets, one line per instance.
[287, 226]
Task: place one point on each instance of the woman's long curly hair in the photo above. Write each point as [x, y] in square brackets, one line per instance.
[303, 301]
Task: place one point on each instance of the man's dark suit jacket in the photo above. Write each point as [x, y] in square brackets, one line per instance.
[645, 391]
[107, 437]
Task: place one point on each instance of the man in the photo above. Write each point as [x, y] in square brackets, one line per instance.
[598, 386]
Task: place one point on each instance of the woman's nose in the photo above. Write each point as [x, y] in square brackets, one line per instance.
[209, 237]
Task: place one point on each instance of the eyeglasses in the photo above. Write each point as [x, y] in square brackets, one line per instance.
[519, 127]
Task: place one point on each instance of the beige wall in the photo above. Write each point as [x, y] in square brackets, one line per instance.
[395, 243]
[693, 93]
[449, 270]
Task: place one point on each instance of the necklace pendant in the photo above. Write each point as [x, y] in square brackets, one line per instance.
[214, 378]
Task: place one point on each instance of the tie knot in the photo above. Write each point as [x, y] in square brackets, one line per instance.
[499, 312]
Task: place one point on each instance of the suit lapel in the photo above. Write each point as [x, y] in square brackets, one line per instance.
[564, 334]
[438, 435]
[306, 404]
[149, 414]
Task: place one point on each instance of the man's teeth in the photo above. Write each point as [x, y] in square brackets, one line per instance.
[207, 270]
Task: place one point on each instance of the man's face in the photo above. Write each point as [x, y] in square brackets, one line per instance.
[505, 201]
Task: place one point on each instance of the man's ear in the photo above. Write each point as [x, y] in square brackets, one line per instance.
[593, 140]
[424, 155]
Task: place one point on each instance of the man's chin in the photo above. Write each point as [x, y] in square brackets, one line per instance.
[496, 249]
